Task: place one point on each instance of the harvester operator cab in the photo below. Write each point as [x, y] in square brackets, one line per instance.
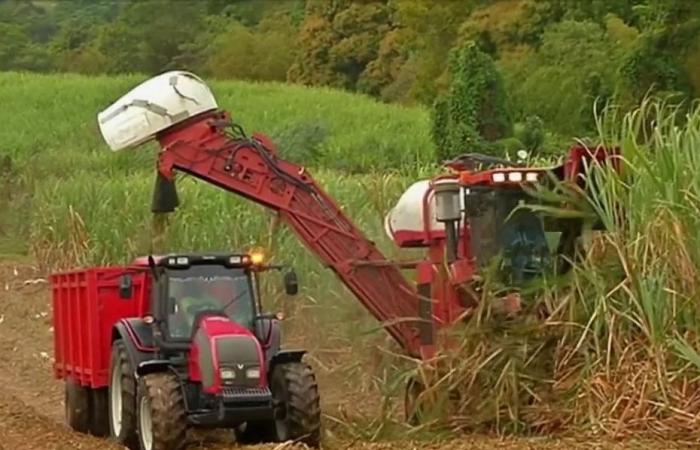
[495, 205]
[501, 225]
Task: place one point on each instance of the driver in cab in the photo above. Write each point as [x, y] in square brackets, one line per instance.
[194, 296]
[190, 298]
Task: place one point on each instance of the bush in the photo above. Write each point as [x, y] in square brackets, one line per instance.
[301, 142]
[474, 109]
[531, 133]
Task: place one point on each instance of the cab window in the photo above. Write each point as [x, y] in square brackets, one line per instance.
[207, 288]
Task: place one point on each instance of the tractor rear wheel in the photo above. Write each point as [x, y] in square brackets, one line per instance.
[77, 402]
[161, 413]
[99, 412]
[122, 398]
[298, 408]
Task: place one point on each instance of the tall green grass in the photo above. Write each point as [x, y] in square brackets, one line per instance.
[49, 123]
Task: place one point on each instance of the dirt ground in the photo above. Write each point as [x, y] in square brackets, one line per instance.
[31, 400]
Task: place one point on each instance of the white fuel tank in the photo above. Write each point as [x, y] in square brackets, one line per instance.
[153, 106]
[405, 224]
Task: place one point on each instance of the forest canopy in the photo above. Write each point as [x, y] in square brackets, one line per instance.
[548, 63]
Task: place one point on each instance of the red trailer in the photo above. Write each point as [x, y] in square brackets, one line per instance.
[86, 306]
[150, 349]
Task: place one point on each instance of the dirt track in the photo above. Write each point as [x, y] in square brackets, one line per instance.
[31, 400]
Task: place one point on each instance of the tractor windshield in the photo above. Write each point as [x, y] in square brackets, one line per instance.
[499, 228]
[208, 288]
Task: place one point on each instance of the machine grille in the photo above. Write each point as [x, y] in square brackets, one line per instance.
[246, 393]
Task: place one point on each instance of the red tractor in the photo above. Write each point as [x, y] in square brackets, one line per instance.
[166, 343]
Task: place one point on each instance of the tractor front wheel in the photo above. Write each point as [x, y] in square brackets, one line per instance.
[297, 404]
[161, 413]
[122, 398]
[77, 402]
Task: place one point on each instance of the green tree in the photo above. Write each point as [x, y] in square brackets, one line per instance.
[337, 41]
[474, 111]
[18, 52]
[575, 65]
[261, 53]
[659, 56]
[430, 30]
[150, 36]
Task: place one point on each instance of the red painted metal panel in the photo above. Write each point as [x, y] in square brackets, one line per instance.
[86, 306]
[203, 148]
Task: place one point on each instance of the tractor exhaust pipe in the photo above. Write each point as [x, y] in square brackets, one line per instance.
[165, 198]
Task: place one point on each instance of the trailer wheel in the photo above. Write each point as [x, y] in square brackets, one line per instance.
[161, 413]
[298, 409]
[77, 402]
[122, 398]
[99, 412]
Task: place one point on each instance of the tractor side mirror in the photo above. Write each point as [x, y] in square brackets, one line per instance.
[126, 287]
[291, 283]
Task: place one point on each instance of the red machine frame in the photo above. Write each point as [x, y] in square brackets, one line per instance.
[205, 148]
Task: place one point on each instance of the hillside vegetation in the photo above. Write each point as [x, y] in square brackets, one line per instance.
[536, 64]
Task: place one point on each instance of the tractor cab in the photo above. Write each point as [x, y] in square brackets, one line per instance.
[188, 287]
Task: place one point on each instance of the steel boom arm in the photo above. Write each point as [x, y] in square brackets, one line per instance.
[206, 148]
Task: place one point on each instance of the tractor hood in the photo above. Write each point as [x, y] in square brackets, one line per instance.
[226, 354]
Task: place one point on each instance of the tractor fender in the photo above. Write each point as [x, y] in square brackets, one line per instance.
[137, 338]
[153, 366]
[286, 356]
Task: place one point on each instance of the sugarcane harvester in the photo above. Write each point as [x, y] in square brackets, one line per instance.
[462, 218]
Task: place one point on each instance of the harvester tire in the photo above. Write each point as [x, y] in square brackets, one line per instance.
[161, 413]
[122, 398]
[412, 410]
[295, 391]
[99, 412]
[77, 400]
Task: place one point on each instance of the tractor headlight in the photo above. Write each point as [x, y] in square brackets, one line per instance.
[253, 373]
[227, 374]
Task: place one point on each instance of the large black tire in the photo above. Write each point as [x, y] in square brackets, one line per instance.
[295, 390]
[77, 402]
[99, 412]
[122, 385]
[252, 433]
[162, 416]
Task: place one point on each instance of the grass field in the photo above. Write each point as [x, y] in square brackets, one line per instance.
[616, 354]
